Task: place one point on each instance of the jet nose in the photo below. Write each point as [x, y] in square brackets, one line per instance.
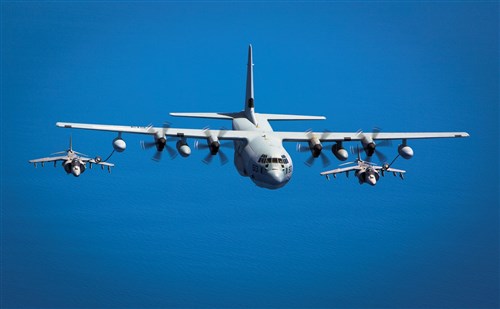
[372, 180]
[276, 177]
[76, 171]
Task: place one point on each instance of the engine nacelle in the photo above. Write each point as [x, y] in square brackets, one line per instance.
[119, 144]
[369, 148]
[339, 152]
[213, 145]
[405, 151]
[183, 148]
[315, 147]
[67, 166]
[160, 143]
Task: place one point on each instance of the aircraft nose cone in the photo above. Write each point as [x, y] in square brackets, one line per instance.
[372, 180]
[276, 177]
[76, 171]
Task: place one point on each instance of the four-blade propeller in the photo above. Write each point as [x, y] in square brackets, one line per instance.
[214, 146]
[160, 142]
[316, 148]
[370, 147]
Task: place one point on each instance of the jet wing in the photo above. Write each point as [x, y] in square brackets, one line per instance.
[102, 163]
[356, 136]
[395, 170]
[93, 161]
[341, 170]
[390, 169]
[173, 132]
[49, 159]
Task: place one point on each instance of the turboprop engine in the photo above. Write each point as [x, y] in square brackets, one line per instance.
[213, 145]
[315, 147]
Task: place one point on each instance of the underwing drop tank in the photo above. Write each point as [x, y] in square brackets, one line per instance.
[119, 144]
[405, 151]
[339, 152]
[183, 148]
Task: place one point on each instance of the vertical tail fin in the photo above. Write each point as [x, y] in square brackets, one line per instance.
[249, 98]
[70, 143]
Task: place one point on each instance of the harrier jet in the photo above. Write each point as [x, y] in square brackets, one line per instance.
[73, 162]
[367, 172]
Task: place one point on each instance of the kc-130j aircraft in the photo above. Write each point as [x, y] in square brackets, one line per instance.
[258, 150]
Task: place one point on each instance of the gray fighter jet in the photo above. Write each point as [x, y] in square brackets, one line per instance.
[365, 171]
[73, 162]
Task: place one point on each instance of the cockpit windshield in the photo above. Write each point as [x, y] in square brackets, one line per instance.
[265, 159]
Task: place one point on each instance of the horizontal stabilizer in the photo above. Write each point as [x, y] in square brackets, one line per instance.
[228, 116]
[291, 117]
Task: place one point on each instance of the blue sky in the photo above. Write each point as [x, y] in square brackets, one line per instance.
[183, 234]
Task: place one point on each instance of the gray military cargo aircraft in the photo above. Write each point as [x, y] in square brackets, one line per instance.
[258, 150]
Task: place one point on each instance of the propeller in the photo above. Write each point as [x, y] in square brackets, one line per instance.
[214, 146]
[370, 147]
[310, 161]
[357, 152]
[316, 148]
[160, 142]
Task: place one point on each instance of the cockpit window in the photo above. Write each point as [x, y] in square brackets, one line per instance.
[264, 159]
[285, 160]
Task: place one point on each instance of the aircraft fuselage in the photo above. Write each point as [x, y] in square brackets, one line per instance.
[73, 166]
[262, 158]
[368, 175]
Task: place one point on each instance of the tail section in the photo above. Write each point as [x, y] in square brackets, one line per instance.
[249, 98]
[249, 110]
